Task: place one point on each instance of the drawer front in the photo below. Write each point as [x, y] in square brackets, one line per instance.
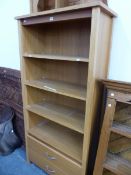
[44, 164]
[54, 157]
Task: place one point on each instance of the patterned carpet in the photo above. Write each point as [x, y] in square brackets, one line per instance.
[15, 164]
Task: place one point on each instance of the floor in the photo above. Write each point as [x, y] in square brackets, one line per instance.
[15, 164]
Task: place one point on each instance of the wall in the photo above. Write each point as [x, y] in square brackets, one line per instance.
[9, 44]
[120, 58]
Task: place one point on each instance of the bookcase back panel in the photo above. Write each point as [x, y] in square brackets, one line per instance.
[37, 96]
[45, 5]
[123, 114]
[34, 120]
[66, 71]
[65, 3]
[62, 39]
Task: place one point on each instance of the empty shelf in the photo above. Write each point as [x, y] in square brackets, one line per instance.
[62, 139]
[56, 57]
[126, 154]
[121, 129]
[60, 114]
[119, 144]
[117, 165]
[59, 87]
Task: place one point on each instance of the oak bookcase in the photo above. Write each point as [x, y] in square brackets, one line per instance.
[64, 52]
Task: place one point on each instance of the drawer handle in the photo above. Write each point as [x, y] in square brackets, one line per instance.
[49, 170]
[49, 157]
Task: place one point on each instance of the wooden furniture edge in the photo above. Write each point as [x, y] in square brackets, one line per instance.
[117, 85]
[70, 15]
[103, 7]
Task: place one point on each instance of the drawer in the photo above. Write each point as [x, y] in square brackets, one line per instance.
[44, 164]
[54, 157]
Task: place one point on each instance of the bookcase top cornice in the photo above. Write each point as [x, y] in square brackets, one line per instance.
[117, 85]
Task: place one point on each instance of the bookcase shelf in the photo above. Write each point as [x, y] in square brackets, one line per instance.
[121, 129]
[64, 52]
[60, 138]
[117, 165]
[55, 57]
[65, 116]
[36, 96]
[106, 172]
[60, 38]
[59, 87]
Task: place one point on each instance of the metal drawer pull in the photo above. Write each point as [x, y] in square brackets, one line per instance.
[49, 170]
[49, 157]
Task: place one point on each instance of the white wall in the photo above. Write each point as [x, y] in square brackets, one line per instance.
[9, 48]
[120, 61]
[120, 58]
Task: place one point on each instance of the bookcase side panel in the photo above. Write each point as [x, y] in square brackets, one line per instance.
[24, 90]
[99, 55]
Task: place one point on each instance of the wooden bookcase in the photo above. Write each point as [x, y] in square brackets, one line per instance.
[64, 53]
[114, 151]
